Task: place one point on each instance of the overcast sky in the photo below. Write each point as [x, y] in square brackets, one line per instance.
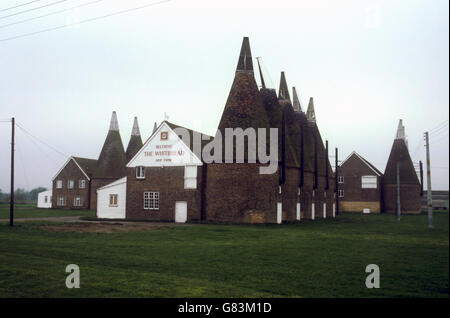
[366, 63]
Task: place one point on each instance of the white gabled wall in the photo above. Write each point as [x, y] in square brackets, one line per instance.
[164, 152]
[41, 199]
[104, 210]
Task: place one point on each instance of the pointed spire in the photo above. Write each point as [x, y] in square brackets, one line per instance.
[111, 161]
[263, 85]
[296, 102]
[135, 131]
[400, 130]
[245, 63]
[135, 142]
[310, 114]
[154, 127]
[283, 92]
[114, 124]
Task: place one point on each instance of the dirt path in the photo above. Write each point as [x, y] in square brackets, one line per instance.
[75, 224]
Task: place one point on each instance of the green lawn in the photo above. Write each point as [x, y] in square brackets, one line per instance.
[322, 258]
[30, 211]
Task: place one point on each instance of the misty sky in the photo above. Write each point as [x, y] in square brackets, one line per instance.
[366, 63]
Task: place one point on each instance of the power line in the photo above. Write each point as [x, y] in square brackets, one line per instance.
[439, 131]
[439, 140]
[49, 14]
[32, 9]
[41, 141]
[41, 150]
[84, 21]
[445, 122]
[19, 5]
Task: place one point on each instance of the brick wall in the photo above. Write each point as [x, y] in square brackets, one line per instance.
[169, 182]
[358, 206]
[352, 171]
[409, 198]
[235, 191]
[70, 172]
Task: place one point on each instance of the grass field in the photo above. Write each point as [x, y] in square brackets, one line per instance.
[30, 211]
[322, 258]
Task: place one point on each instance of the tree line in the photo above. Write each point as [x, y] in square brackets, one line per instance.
[21, 195]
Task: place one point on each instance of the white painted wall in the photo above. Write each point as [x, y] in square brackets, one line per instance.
[41, 199]
[104, 210]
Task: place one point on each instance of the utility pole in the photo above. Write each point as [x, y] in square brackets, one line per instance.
[421, 178]
[11, 197]
[398, 192]
[429, 198]
[336, 174]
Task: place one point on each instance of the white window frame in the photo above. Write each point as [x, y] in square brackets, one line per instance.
[340, 193]
[45, 199]
[112, 196]
[61, 201]
[70, 184]
[151, 200]
[369, 185]
[81, 184]
[340, 179]
[59, 184]
[190, 177]
[77, 202]
[140, 172]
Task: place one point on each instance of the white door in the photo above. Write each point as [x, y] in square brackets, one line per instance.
[180, 212]
[324, 210]
[298, 211]
[279, 212]
[313, 212]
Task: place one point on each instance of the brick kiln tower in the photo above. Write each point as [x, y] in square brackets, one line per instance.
[135, 142]
[400, 160]
[237, 192]
[111, 161]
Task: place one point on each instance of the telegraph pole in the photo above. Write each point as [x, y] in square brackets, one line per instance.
[398, 192]
[11, 197]
[336, 179]
[429, 199]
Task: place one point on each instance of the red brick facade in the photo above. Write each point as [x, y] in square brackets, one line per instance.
[169, 182]
[355, 197]
[71, 171]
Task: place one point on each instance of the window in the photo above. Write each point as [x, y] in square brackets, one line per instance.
[45, 199]
[77, 201]
[113, 199]
[61, 201]
[140, 172]
[368, 182]
[58, 184]
[340, 179]
[70, 184]
[340, 193]
[151, 200]
[82, 184]
[190, 177]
